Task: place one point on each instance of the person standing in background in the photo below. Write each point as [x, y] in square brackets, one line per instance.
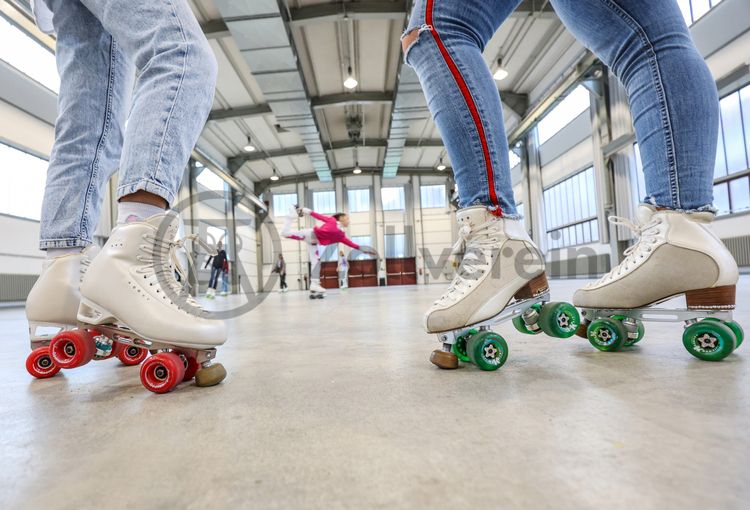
[280, 268]
[216, 269]
[343, 269]
[225, 278]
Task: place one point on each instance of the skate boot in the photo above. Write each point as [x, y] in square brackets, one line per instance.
[52, 308]
[675, 254]
[130, 294]
[501, 277]
[317, 291]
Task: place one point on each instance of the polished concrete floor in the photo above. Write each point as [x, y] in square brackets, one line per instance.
[333, 404]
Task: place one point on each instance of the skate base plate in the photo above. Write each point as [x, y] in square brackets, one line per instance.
[656, 314]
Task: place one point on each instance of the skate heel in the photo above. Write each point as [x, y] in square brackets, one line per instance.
[91, 313]
[536, 286]
[714, 298]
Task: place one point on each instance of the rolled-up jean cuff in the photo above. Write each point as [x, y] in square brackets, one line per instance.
[703, 208]
[146, 185]
[74, 242]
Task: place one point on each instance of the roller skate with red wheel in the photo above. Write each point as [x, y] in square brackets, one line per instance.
[501, 278]
[57, 339]
[675, 254]
[131, 295]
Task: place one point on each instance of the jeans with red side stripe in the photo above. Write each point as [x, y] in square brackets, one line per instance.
[646, 44]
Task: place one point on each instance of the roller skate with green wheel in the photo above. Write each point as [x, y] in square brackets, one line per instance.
[675, 255]
[501, 278]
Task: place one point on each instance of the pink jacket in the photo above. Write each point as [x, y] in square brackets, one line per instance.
[329, 232]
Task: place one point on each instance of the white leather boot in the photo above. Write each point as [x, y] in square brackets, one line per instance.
[132, 285]
[500, 262]
[676, 253]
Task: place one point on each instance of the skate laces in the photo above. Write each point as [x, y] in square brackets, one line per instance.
[646, 236]
[474, 242]
[161, 268]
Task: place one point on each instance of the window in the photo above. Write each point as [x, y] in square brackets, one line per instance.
[514, 159]
[282, 202]
[324, 202]
[21, 51]
[395, 246]
[23, 177]
[570, 211]
[564, 113]
[732, 196]
[433, 196]
[210, 180]
[362, 241]
[521, 209]
[393, 199]
[692, 10]
[359, 200]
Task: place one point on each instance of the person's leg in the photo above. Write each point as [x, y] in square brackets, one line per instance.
[673, 97]
[172, 97]
[675, 109]
[95, 85]
[444, 44]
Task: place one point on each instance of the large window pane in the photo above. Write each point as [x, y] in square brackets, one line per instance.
[210, 180]
[720, 169]
[324, 202]
[28, 56]
[432, 196]
[734, 138]
[395, 246]
[564, 113]
[745, 98]
[23, 178]
[567, 213]
[739, 191]
[362, 241]
[393, 199]
[359, 200]
[282, 202]
[721, 198]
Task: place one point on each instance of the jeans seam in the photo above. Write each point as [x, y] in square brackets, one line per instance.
[663, 106]
[83, 225]
[162, 143]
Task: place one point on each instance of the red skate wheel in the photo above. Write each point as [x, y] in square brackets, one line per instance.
[71, 349]
[191, 367]
[162, 372]
[40, 364]
[131, 355]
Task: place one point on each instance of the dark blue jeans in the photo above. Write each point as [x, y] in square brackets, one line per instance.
[213, 281]
[646, 44]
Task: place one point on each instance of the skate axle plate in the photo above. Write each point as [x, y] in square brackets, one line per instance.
[129, 337]
[657, 314]
[510, 312]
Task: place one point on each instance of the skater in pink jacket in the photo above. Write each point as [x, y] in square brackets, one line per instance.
[328, 233]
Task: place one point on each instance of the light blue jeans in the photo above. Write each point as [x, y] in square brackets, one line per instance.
[101, 46]
[646, 44]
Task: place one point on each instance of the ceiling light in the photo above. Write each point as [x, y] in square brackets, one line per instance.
[274, 177]
[249, 147]
[501, 73]
[357, 170]
[350, 82]
[441, 166]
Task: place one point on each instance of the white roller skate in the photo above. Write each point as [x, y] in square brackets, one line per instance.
[52, 309]
[130, 296]
[501, 278]
[317, 291]
[675, 254]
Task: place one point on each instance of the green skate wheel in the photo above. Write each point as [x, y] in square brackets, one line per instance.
[459, 347]
[521, 325]
[607, 334]
[487, 350]
[709, 340]
[734, 326]
[640, 328]
[559, 319]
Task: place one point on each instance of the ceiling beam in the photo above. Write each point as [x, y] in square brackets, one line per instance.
[237, 161]
[215, 29]
[255, 110]
[354, 10]
[347, 98]
[265, 184]
[519, 103]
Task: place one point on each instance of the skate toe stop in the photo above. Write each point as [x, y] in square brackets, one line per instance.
[444, 360]
[211, 375]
